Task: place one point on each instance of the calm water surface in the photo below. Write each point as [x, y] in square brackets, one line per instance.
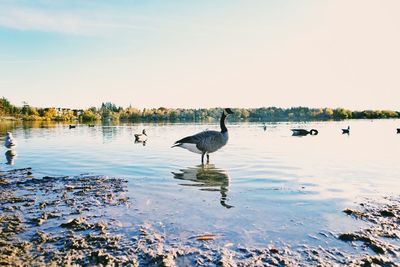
[264, 186]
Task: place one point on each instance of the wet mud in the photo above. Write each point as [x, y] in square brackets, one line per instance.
[65, 221]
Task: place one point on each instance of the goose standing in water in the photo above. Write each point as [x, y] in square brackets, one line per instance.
[346, 131]
[206, 142]
[141, 137]
[10, 141]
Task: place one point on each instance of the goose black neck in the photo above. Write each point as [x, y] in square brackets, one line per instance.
[222, 123]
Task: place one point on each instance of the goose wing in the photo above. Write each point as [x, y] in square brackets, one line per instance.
[193, 139]
[204, 141]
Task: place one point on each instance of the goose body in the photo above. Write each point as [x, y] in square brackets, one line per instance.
[72, 126]
[10, 141]
[206, 142]
[141, 137]
[303, 132]
[398, 130]
[346, 131]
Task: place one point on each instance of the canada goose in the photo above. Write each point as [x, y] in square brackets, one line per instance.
[10, 140]
[141, 137]
[91, 125]
[303, 132]
[72, 126]
[206, 142]
[398, 130]
[264, 126]
[346, 131]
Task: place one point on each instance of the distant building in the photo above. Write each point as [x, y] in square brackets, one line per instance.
[62, 111]
[77, 112]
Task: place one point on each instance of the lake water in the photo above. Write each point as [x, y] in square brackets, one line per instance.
[262, 187]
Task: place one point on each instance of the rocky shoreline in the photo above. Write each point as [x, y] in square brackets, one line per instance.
[63, 221]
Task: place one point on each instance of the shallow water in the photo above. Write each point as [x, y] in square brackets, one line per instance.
[263, 187]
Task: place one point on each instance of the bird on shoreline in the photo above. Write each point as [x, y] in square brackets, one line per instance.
[206, 142]
[10, 141]
[346, 131]
[141, 137]
[72, 126]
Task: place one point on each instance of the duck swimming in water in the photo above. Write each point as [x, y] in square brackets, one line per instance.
[303, 132]
[141, 137]
[10, 141]
[346, 131]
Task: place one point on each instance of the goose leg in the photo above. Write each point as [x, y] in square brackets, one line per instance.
[202, 158]
[208, 158]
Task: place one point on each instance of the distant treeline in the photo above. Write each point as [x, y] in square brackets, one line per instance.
[109, 111]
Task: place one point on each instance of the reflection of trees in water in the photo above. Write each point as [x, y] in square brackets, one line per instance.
[207, 178]
[29, 126]
[25, 128]
[109, 133]
[10, 156]
[6, 126]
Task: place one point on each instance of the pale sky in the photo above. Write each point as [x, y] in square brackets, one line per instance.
[201, 53]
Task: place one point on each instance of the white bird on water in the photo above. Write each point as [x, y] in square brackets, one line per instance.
[208, 141]
[141, 137]
[10, 141]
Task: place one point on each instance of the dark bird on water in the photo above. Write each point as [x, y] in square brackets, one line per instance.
[398, 130]
[346, 131]
[303, 132]
[206, 142]
[72, 126]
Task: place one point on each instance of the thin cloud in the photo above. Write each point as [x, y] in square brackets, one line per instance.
[84, 23]
[10, 61]
[100, 22]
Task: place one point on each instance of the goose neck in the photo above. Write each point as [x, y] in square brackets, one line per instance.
[222, 123]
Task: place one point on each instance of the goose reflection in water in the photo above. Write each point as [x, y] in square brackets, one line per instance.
[207, 178]
[10, 157]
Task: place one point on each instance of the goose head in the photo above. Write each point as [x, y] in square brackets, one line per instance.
[228, 111]
[144, 132]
